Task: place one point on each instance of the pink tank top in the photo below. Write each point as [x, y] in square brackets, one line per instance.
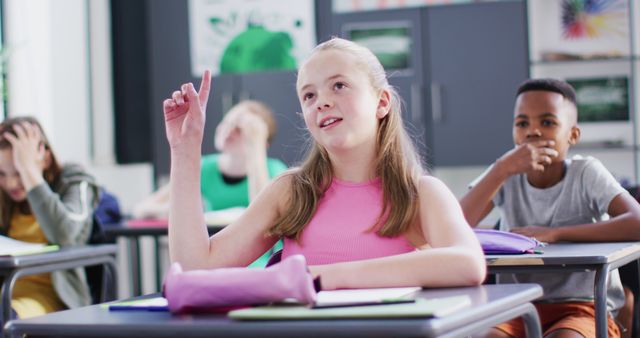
[339, 230]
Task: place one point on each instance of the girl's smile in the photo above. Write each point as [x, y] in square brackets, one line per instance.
[330, 122]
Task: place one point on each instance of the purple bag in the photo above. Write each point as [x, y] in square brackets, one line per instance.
[503, 242]
[224, 288]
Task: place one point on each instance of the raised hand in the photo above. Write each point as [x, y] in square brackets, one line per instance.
[531, 156]
[184, 113]
[28, 153]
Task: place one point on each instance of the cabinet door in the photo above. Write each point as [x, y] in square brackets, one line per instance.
[278, 91]
[477, 56]
[411, 91]
[221, 99]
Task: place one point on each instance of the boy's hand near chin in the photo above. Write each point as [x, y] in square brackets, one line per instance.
[528, 156]
[254, 130]
[543, 234]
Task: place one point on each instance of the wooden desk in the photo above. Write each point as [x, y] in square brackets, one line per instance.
[573, 257]
[491, 304]
[132, 235]
[14, 267]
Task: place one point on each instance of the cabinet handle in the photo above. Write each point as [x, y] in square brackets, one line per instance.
[416, 103]
[436, 102]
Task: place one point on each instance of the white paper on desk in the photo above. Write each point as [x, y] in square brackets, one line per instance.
[10, 246]
[224, 216]
[157, 303]
[421, 308]
[364, 295]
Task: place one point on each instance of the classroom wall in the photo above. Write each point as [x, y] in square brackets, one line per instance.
[170, 65]
[59, 70]
[47, 70]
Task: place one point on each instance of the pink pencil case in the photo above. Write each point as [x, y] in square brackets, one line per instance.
[226, 288]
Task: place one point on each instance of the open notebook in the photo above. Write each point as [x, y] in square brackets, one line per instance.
[421, 308]
[12, 247]
[389, 303]
[361, 297]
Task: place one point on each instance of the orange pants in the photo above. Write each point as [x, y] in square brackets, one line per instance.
[578, 316]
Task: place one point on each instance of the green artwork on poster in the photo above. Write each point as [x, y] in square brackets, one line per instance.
[258, 49]
[243, 36]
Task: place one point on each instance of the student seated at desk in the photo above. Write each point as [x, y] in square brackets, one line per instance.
[236, 175]
[543, 194]
[360, 208]
[43, 202]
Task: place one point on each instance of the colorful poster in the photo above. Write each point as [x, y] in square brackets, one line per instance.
[582, 19]
[579, 29]
[242, 36]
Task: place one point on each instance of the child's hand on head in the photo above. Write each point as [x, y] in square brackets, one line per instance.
[543, 234]
[184, 113]
[254, 131]
[28, 149]
[535, 155]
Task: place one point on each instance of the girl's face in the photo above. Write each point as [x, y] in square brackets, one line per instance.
[340, 107]
[10, 180]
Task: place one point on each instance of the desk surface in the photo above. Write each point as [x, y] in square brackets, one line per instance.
[561, 254]
[61, 255]
[488, 301]
[127, 231]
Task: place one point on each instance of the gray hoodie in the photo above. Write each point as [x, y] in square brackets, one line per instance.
[65, 214]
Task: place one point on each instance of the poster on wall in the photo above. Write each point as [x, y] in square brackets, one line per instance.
[579, 29]
[604, 91]
[242, 36]
[602, 99]
[389, 41]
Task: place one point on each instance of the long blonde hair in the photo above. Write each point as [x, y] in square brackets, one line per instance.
[397, 163]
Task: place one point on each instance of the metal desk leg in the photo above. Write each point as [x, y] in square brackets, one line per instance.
[156, 249]
[5, 291]
[600, 300]
[527, 311]
[636, 303]
[532, 322]
[110, 279]
[134, 265]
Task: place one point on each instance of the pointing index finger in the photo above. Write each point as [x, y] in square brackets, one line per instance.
[205, 87]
